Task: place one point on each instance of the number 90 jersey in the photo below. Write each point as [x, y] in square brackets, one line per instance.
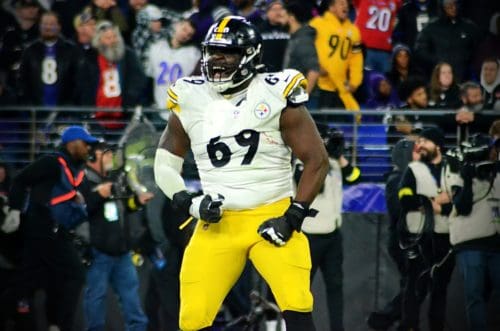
[236, 140]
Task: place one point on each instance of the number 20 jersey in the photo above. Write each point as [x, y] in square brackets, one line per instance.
[236, 141]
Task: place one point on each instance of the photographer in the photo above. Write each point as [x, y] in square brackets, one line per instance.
[109, 203]
[423, 233]
[323, 231]
[475, 226]
[49, 187]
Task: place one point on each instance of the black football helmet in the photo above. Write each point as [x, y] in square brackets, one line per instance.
[231, 35]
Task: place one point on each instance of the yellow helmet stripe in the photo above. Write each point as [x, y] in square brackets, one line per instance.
[221, 27]
[299, 77]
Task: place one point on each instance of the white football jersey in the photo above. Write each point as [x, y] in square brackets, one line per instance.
[236, 141]
[166, 65]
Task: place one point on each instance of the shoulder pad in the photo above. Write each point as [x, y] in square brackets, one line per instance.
[180, 90]
[290, 83]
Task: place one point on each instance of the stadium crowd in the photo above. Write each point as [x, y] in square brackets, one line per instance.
[113, 55]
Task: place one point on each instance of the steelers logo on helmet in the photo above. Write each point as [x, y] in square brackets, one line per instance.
[231, 53]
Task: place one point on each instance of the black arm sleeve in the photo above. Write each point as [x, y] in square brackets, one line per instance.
[407, 194]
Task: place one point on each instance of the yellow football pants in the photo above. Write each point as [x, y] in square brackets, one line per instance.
[216, 256]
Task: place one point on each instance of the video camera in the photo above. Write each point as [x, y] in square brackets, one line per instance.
[333, 139]
[475, 155]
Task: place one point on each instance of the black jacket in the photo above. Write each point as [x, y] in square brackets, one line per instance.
[31, 85]
[412, 18]
[301, 53]
[451, 41]
[132, 79]
[110, 234]
[32, 187]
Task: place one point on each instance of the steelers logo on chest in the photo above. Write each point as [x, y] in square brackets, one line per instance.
[262, 110]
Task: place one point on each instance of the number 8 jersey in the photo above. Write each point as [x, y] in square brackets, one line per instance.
[236, 139]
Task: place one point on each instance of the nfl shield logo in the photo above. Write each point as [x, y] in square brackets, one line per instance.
[262, 111]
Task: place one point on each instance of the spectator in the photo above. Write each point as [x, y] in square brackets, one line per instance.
[383, 94]
[84, 25]
[109, 11]
[206, 13]
[412, 18]
[248, 10]
[375, 21]
[490, 83]
[50, 260]
[451, 39]
[149, 30]
[402, 66]
[494, 132]
[469, 118]
[338, 43]
[172, 59]
[274, 36]
[110, 76]
[48, 67]
[414, 97]
[490, 46]
[300, 52]
[109, 206]
[15, 40]
[444, 91]
[134, 7]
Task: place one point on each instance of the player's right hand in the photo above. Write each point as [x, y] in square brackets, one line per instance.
[207, 207]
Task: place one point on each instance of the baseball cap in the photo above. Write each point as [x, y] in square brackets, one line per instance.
[84, 17]
[76, 132]
[433, 134]
[154, 13]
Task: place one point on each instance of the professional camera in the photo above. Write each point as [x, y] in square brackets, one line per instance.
[473, 158]
[333, 139]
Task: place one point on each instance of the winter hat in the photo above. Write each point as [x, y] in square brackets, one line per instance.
[433, 134]
[402, 153]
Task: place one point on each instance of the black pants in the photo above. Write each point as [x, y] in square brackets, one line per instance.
[327, 255]
[52, 264]
[162, 302]
[420, 281]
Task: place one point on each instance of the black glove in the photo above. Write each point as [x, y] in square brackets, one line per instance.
[278, 230]
[205, 207]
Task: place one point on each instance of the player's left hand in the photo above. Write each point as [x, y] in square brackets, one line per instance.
[276, 230]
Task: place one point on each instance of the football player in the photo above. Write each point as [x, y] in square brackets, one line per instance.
[242, 126]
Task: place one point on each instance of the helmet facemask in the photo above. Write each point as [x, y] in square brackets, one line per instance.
[228, 67]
